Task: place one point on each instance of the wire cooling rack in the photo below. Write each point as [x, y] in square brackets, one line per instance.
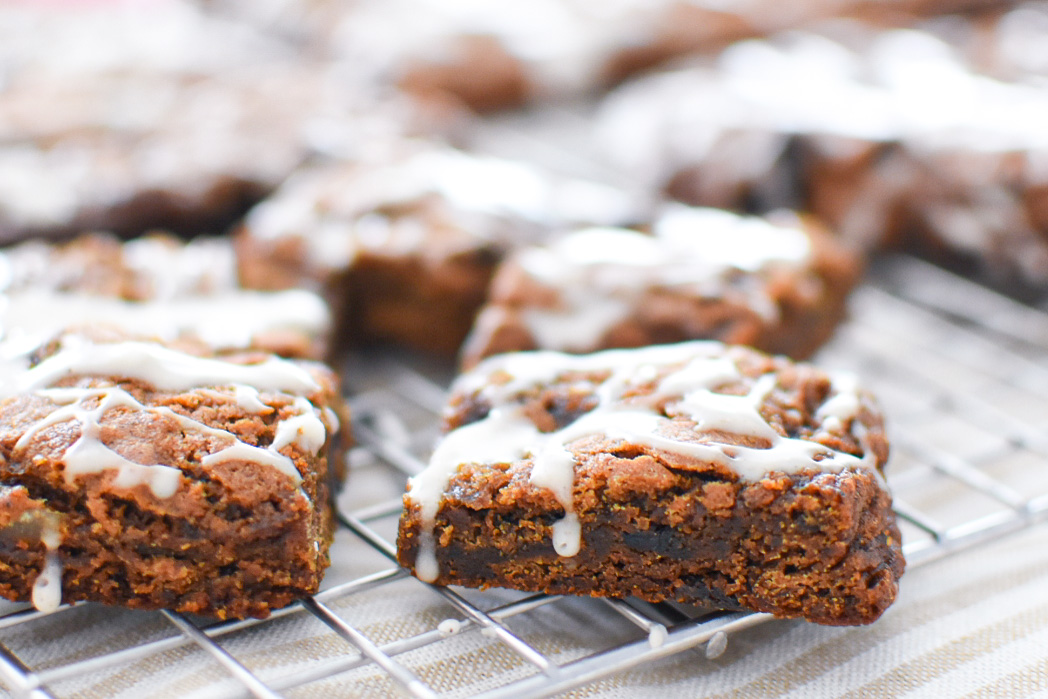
[962, 372]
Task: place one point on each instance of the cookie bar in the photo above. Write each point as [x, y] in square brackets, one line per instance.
[491, 57]
[154, 286]
[163, 119]
[404, 248]
[844, 129]
[136, 474]
[171, 118]
[701, 274]
[167, 168]
[698, 472]
[1004, 41]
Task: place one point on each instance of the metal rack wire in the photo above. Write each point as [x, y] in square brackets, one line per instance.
[948, 358]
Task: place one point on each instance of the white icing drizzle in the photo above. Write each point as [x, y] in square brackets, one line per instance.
[331, 419]
[904, 87]
[337, 211]
[162, 367]
[471, 443]
[176, 270]
[171, 370]
[434, 199]
[601, 274]
[688, 391]
[47, 588]
[241, 451]
[227, 320]
[248, 400]
[304, 430]
[563, 47]
[88, 454]
[836, 411]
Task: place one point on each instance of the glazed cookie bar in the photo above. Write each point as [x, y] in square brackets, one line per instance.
[842, 127]
[490, 57]
[405, 245]
[157, 286]
[778, 285]
[136, 474]
[186, 154]
[702, 473]
[171, 118]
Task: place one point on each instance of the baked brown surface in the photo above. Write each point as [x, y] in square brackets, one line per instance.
[675, 513]
[599, 289]
[110, 481]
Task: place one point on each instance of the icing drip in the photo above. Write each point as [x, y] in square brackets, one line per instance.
[835, 412]
[304, 430]
[449, 627]
[601, 274]
[165, 368]
[47, 588]
[468, 444]
[657, 636]
[689, 394]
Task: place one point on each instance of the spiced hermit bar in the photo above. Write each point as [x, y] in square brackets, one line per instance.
[156, 285]
[894, 140]
[698, 472]
[139, 475]
[702, 274]
[403, 246]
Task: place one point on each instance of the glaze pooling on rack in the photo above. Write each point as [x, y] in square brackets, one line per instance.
[684, 380]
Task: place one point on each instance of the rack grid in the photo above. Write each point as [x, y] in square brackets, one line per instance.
[961, 370]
